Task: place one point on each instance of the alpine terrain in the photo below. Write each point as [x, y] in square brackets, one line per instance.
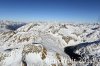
[49, 44]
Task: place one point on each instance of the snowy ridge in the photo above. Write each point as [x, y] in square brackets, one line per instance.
[42, 44]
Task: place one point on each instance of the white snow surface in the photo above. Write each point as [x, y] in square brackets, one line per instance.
[42, 44]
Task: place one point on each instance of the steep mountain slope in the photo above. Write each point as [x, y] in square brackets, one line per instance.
[43, 44]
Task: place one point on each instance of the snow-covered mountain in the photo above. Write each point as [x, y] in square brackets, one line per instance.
[6, 25]
[50, 44]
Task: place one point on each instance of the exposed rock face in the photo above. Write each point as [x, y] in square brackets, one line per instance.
[68, 38]
[50, 44]
[5, 36]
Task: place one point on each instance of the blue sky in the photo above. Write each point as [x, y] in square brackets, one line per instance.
[60, 10]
